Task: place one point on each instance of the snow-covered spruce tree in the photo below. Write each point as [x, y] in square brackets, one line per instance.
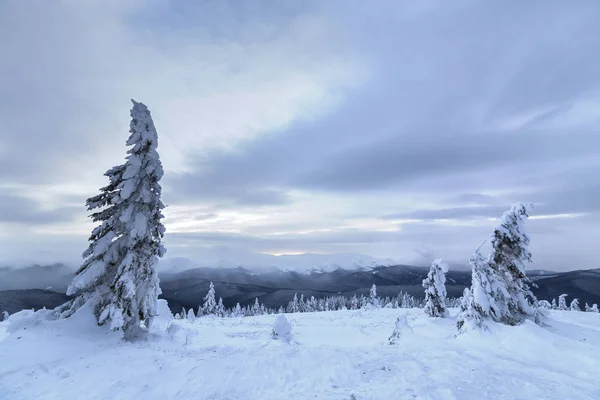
[544, 304]
[594, 308]
[119, 272]
[256, 307]
[500, 289]
[478, 302]
[210, 303]
[435, 289]
[237, 312]
[220, 308]
[293, 306]
[373, 300]
[574, 305]
[4, 316]
[562, 302]
[554, 306]
[509, 257]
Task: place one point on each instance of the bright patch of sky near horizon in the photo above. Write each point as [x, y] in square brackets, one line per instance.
[401, 131]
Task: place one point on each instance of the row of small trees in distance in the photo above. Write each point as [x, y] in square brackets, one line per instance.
[212, 306]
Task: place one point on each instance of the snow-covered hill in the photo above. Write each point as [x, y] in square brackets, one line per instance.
[334, 355]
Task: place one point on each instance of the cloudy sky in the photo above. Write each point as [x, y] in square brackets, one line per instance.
[402, 129]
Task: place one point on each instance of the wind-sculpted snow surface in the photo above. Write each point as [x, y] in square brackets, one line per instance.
[334, 355]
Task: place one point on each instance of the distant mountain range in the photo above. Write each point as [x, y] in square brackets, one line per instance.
[184, 286]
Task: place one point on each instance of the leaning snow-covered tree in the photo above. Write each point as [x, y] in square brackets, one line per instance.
[119, 271]
[574, 305]
[510, 256]
[562, 302]
[500, 289]
[435, 289]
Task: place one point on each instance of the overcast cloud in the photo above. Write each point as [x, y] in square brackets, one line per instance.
[401, 130]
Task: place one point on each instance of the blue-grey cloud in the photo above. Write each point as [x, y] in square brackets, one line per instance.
[463, 108]
[22, 210]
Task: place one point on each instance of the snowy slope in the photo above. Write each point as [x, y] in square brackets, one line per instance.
[334, 355]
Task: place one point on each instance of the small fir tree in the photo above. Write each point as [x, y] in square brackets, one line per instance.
[256, 307]
[435, 289]
[562, 302]
[220, 309]
[238, 311]
[575, 305]
[294, 304]
[544, 304]
[210, 303]
[373, 300]
[478, 302]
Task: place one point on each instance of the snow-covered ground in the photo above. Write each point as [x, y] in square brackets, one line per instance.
[333, 355]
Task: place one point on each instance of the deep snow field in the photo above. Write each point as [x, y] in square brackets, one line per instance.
[334, 355]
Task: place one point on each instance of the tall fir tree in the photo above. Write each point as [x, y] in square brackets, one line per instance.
[119, 271]
[435, 289]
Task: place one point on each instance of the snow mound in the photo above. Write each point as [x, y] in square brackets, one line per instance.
[282, 329]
